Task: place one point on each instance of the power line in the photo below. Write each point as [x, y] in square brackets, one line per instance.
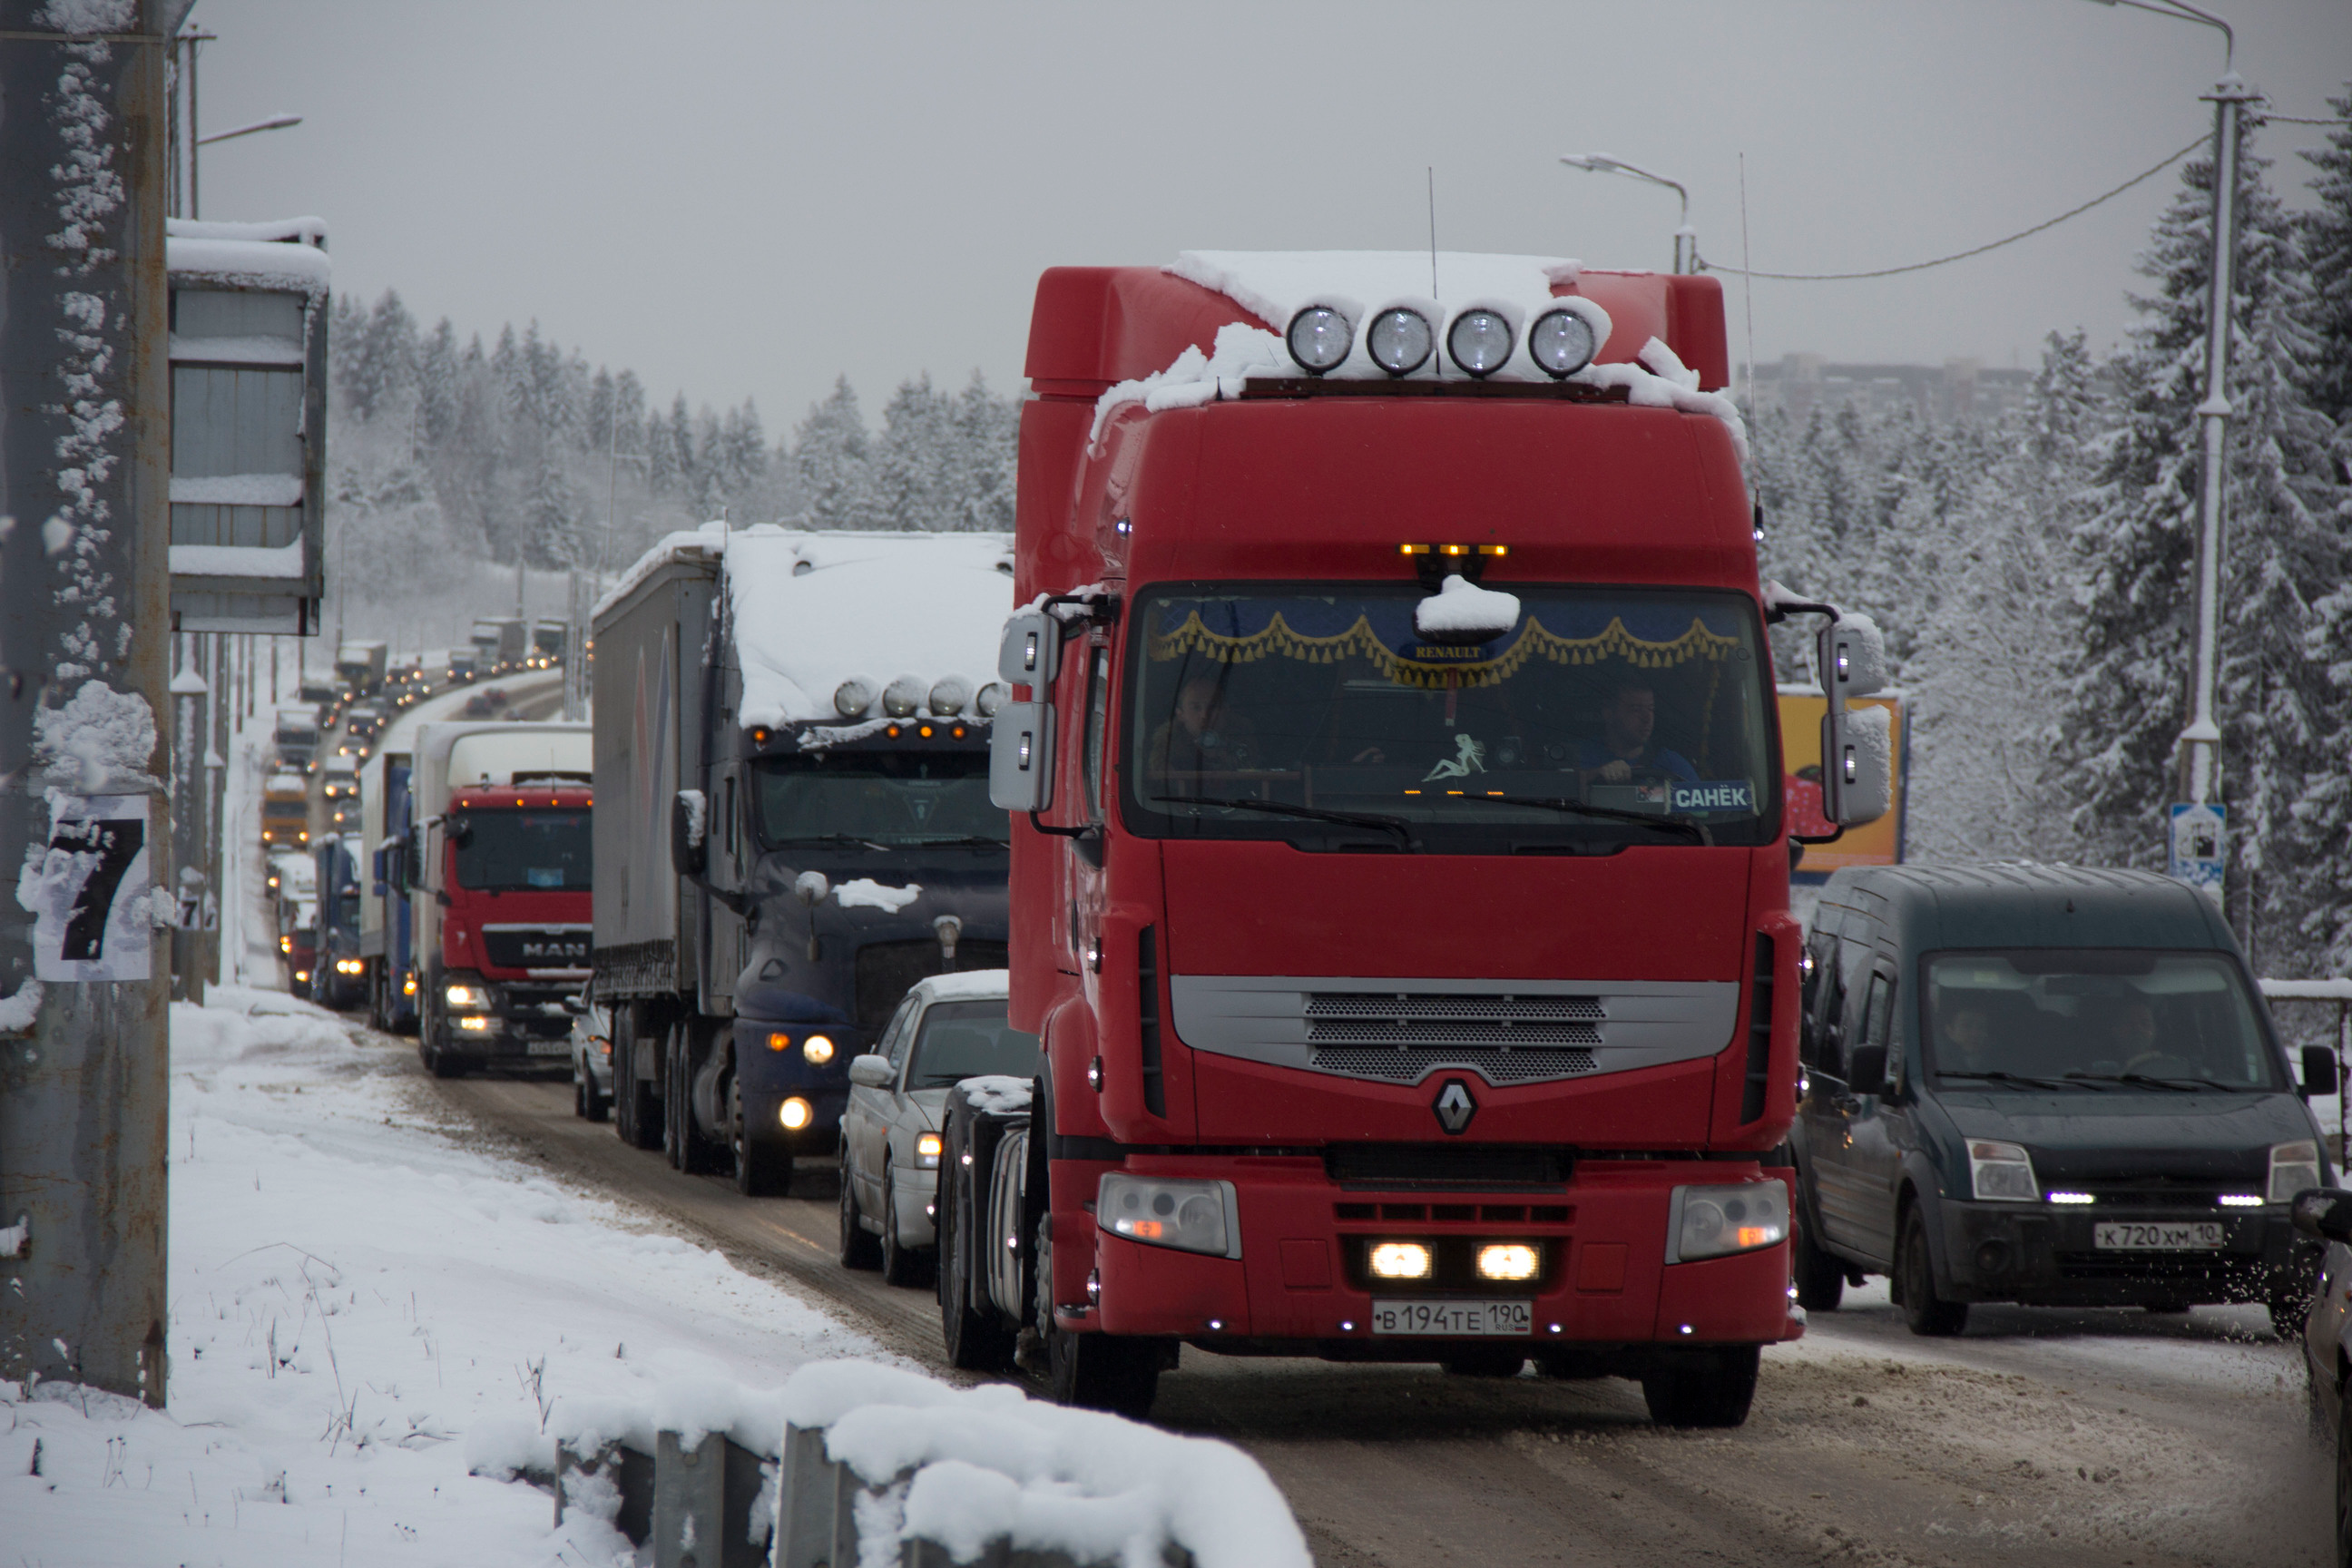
[1706, 266]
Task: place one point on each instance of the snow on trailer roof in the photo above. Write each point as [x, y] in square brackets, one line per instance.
[287, 255]
[814, 610]
[1275, 286]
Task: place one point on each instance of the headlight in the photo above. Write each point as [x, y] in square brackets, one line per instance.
[853, 696]
[1400, 1260]
[1508, 1260]
[1560, 343]
[991, 698]
[348, 966]
[902, 697]
[949, 694]
[479, 1024]
[1714, 1222]
[1191, 1216]
[1319, 339]
[817, 1049]
[467, 996]
[2293, 1167]
[1479, 341]
[2002, 1172]
[927, 1151]
[795, 1114]
[1399, 340]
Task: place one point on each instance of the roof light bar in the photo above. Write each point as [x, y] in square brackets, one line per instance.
[1319, 339]
[1400, 340]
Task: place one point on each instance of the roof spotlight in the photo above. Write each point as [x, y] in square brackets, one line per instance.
[1561, 342]
[1319, 339]
[949, 694]
[902, 697]
[1400, 340]
[991, 698]
[853, 696]
[1479, 341]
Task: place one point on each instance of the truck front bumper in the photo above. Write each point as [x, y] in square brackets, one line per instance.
[1302, 1287]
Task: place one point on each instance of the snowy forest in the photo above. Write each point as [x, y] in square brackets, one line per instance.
[2034, 572]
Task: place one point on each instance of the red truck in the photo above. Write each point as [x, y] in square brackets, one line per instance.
[1400, 877]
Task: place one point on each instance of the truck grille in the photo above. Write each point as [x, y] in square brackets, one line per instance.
[887, 968]
[1409, 1064]
[1504, 1021]
[536, 947]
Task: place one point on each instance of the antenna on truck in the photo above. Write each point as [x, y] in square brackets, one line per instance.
[1433, 231]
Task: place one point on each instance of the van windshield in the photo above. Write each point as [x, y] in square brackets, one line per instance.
[2095, 1019]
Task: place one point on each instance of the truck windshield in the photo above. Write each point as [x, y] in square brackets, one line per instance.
[1602, 717]
[968, 1039]
[890, 798]
[2092, 1020]
[506, 850]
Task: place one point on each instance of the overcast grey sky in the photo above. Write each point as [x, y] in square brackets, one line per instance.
[746, 199]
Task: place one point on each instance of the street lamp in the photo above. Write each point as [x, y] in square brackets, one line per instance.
[1686, 237]
[2200, 743]
[275, 122]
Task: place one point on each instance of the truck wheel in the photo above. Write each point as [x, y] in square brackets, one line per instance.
[764, 1168]
[900, 1265]
[976, 1340]
[1927, 1313]
[1712, 1388]
[1819, 1278]
[442, 1064]
[1104, 1371]
[858, 1249]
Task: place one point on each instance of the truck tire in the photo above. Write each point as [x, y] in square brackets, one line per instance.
[1927, 1313]
[902, 1265]
[1710, 1387]
[859, 1249]
[1819, 1278]
[977, 1339]
[691, 1150]
[763, 1166]
[636, 1110]
[1104, 1371]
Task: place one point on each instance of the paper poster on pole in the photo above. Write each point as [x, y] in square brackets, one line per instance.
[2198, 846]
[89, 897]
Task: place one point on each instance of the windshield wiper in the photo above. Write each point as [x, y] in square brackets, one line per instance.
[1395, 825]
[2182, 1085]
[1610, 813]
[975, 840]
[2009, 1077]
[845, 840]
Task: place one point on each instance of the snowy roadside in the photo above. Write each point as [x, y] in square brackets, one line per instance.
[352, 1292]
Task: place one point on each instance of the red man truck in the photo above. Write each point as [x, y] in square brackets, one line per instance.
[1400, 865]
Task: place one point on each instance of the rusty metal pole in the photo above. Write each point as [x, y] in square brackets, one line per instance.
[84, 607]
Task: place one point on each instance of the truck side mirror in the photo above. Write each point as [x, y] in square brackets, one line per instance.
[2320, 1073]
[1857, 743]
[1031, 653]
[690, 846]
[1867, 1072]
[1021, 757]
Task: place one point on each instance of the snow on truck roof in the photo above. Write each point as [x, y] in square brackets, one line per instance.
[814, 610]
[1273, 285]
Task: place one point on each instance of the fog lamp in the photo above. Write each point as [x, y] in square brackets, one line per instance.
[1560, 343]
[1319, 339]
[853, 696]
[1508, 1260]
[1400, 340]
[1480, 340]
[817, 1050]
[1400, 1260]
[476, 1024]
[795, 1114]
[348, 966]
[2240, 1200]
[927, 1151]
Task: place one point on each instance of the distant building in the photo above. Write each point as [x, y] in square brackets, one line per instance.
[1957, 389]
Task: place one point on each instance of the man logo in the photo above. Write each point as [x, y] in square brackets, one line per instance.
[1454, 1106]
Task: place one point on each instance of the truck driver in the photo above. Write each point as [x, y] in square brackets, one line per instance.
[1629, 714]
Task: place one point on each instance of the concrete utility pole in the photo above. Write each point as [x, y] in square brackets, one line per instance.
[84, 587]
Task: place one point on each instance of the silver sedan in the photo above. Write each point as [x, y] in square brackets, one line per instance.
[951, 1028]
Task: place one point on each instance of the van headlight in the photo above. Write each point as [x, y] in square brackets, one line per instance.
[2002, 1172]
[2294, 1168]
[1718, 1221]
[1190, 1216]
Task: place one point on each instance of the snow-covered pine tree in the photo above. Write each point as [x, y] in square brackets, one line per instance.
[436, 388]
[987, 437]
[830, 457]
[2136, 550]
[913, 485]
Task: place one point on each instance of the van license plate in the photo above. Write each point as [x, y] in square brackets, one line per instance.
[1454, 1318]
[2156, 1235]
[563, 1049]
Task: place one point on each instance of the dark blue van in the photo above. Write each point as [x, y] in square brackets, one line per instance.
[2044, 1085]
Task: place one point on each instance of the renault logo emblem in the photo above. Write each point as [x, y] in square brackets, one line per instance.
[1455, 1106]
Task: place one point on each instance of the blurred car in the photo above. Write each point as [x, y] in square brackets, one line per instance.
[592, 1057]
[297, 941]
[340, 779]
[951, 1028]
[2325, 1214]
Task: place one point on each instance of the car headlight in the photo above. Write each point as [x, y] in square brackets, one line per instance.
[927, 1151]
[1190, 1216]
[817, 1050]
[1718, 1221]
[467, 996]
[2293, 1167]
[2002, 1172]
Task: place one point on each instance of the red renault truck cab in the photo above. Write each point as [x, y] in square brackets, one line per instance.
[1400, 868]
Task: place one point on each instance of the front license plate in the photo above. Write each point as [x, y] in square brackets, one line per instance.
[1447, 1320]
[550, 1047]
[2156, 1235]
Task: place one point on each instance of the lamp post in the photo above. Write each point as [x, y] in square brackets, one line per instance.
[1686, 237]
[2201, 741]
